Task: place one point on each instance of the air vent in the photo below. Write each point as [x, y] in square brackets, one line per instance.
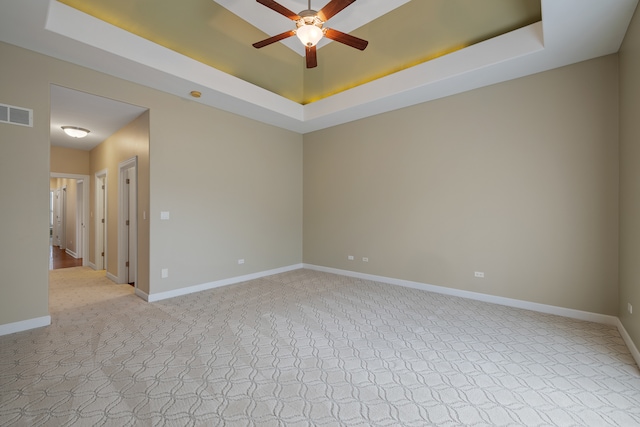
[16, 115]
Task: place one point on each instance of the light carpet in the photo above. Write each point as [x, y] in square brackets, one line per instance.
[307, 348]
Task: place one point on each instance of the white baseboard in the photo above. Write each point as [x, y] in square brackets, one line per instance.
[112, 277]
[211, 285]
[92, 265]
[629, 342]
[510, 302]
[71, 253]
[24, 325]
[142, 294]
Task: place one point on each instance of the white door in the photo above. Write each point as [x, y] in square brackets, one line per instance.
[59, 213]
[56, 217]
[80, 219]
[127, 221]
[101, 221]
[63, 218]
[132, 246]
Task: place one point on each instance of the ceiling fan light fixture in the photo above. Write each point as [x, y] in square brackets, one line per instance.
[309, 34]
[75, 131]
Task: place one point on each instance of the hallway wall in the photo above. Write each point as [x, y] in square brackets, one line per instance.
[130, 141]
[630, 180]
[69, 161]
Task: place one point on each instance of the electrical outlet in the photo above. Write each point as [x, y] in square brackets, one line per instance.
[630, 308]
[165, 273]
[241, 261]
[350, 257]
[365, 259]
[479, 274]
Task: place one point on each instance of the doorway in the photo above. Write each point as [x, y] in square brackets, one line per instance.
[117, 131]
[69, 207]
[128, 224]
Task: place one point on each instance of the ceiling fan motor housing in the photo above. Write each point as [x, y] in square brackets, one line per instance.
[309, 17]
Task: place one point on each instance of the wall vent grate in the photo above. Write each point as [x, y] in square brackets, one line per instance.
[16, 115]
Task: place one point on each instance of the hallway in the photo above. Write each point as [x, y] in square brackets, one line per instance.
[58, 258]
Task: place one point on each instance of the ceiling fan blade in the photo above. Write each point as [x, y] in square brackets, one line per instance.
[333, 7]
[345, 38]
[267, 42]
[277, 7]
[312, 59]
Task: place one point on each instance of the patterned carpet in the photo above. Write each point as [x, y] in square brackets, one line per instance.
[307, 348]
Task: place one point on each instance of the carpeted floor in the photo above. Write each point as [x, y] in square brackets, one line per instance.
[306, 348]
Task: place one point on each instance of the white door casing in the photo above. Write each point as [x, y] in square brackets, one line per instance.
[56, 217]
[80, 220]
[61, 220]
[127, 223]
[101, 220]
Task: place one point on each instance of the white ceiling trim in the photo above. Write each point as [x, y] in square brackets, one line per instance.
[572, 30]
[76, 25]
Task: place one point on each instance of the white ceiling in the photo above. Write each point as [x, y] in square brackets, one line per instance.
[101, 116]
[571, 31]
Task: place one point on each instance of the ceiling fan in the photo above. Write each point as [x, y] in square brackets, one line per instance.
[309, 28]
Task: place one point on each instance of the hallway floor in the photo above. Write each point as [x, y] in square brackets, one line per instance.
[59, 258]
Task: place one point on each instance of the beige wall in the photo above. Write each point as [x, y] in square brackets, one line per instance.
[69, 161]
[24, 159]
[517, 180]
[233, 188]
[630, 179]
[233, 185]
[129, 142]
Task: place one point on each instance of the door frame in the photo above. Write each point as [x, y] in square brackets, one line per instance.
[100, 262]
[84, 253]
[63, 214]
[125, 208]
[80, 223]
[56, 216]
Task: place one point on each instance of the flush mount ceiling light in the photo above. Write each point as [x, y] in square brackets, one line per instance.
[75, 131]
[309, 28]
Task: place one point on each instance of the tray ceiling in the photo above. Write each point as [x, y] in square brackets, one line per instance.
[569, 31]
[401, 34]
